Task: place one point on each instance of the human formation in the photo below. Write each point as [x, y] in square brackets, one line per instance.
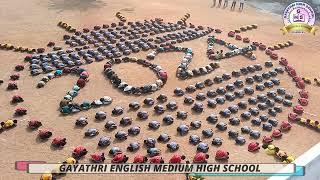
[254, 89]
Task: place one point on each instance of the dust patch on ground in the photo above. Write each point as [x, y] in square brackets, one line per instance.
[81, 5]
[127, 9]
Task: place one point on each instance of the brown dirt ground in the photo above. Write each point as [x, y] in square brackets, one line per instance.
[34, 24]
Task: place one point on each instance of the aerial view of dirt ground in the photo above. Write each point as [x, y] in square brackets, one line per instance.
[155, 79]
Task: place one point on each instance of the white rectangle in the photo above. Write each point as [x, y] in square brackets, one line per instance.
[159, 168]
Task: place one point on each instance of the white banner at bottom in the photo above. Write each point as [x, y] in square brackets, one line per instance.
[158, 168]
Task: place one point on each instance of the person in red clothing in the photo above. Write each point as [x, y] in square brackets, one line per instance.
[222, 155]
[79, 151]
[163, 75]
[120, 158]
[156, 160]
[176, 158]
[16, 99]
[200, 158]
[34, 124]
[44, 133]
[106, 66]
[59, 141]
[19, 67]
[140, 159]
[81, 82]
[84, 75]
[97, 157]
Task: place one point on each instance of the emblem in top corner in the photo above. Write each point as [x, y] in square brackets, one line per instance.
[299, 17]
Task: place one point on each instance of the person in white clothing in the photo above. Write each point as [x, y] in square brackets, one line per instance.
[241, 5]
[213, 3]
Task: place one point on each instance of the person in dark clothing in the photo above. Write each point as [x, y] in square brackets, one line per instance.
[233, 5]
[225, 4]
[220, 1]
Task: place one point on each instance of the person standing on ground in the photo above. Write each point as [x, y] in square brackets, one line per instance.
[225, 3]
[220, 1]
[241, 5]
[213, 3]
[233, 5]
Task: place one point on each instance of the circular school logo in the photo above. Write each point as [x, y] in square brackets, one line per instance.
[299, 17]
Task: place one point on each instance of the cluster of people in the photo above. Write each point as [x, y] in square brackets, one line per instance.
[225, 4]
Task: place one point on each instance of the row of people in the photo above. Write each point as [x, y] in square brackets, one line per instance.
[122, 158]
[225, 4]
